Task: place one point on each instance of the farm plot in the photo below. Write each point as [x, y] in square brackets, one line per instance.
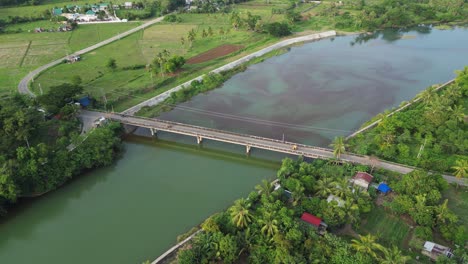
[11, 56]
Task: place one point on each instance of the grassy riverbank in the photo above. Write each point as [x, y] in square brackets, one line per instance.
[211, 81]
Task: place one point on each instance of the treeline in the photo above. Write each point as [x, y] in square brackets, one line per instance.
[19, 2]
[400, 13]
[41, 147]
[432, 134]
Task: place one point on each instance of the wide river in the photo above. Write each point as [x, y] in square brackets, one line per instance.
[134, 209]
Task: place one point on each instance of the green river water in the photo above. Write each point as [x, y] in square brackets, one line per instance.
[133, 210]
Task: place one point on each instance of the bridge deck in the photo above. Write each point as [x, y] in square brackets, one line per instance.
[252, 141]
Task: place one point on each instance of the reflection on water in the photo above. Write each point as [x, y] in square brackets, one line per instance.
[328, 88]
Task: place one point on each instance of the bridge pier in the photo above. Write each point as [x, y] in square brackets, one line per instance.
[199, 140]
[129, 129]
[153, 131]
[247, 149]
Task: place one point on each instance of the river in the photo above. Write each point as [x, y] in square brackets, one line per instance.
[133, 210]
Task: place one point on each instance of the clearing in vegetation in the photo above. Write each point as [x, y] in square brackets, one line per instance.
[214, 53]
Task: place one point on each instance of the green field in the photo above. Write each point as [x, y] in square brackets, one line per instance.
[388, 228]
[23, 52]
[124, 88]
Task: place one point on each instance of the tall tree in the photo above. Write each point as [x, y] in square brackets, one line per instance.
[265, 188]
[240, 213]
[367, 245]
[339, 147]
[394, 256]
[461, 168]
[269, 224]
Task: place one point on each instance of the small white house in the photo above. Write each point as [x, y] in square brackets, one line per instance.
[434, 250]
[128, 5]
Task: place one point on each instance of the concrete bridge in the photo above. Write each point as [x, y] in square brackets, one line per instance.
[249, 141]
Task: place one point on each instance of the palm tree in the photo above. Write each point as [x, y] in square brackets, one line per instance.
[428, 95]
[367, 245]
[339, 147]
[341, 187]
[394, 256]
[461, 168]
[324, 187]
[442, 212]
[269, 224]
[240, 214]
[191, 37]
[182, 41]
[265, 188]
[457, 112]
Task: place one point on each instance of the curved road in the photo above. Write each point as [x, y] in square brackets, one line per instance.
[23, 85]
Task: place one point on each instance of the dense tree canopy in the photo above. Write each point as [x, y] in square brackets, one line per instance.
[39, 153]
[432, 134]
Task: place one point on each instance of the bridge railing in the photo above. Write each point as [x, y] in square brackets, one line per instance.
[222, 131]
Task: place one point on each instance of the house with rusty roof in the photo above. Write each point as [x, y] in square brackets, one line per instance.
[362, 180]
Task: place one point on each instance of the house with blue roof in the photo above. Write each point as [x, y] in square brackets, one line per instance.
[57, 11]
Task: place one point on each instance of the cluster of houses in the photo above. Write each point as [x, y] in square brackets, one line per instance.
[62, 28]
[91, 13]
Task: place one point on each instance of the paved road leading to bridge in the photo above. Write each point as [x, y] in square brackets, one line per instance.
[23, 85]
[250, 141]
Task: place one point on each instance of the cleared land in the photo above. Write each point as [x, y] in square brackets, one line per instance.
[214, 53]
[23, 52]
[390, 229]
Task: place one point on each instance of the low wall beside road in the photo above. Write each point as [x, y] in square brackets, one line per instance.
[161, 97]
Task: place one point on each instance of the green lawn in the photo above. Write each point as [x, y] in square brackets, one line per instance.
[388, 228]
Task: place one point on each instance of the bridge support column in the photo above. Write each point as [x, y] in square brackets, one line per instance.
[129, 129]
[247, 149]
[153, 131]
[199, 140]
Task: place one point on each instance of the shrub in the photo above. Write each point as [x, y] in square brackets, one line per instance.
[278, 29]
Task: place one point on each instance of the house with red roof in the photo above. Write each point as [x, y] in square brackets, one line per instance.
[362, 179]
[314, 221]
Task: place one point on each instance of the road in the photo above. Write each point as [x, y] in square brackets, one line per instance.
[249, 141]
[23, 85]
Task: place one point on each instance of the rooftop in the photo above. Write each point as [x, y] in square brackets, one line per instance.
[363, 176]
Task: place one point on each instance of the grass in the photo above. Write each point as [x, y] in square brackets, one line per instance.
[23, 52]
[458, 202]
[126, 88]
[390, 229]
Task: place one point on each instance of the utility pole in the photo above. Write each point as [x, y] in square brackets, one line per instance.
[283, 137]
[421, 148]
[40, 88]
